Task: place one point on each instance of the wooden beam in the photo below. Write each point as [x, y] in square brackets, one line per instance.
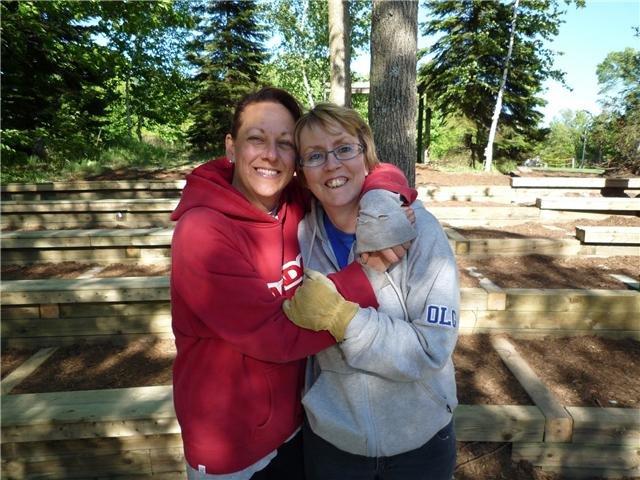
[558, 423]
[61, 206]
[608, 234]
[608, 204]
[25, 369]
[572, 459]
[575, 182]
[94, 185]
[609, 426]
[94, 290]
[498, 423]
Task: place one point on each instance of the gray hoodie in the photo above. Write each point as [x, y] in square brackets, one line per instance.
[390, 385]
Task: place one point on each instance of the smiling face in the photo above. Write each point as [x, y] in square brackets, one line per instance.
[264, 153]
[336, 184]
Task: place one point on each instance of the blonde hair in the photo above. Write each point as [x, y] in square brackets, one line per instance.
[329, 117]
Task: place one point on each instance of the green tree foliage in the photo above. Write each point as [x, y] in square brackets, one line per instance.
[228, 53]
[617, 129]
[146, 42]
[300, 61]
[466, 63]
[54, 78]
[566, 139]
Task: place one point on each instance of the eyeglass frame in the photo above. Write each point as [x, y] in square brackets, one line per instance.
[360, 149]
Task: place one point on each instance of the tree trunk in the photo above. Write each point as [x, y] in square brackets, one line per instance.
[488, 153]
[392, 97]
[127, 104]
[339, 52]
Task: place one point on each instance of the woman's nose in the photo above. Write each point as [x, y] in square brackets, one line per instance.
[270, 151]
[332, 161]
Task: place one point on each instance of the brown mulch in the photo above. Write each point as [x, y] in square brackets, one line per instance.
[547, 230]
[12, 358]
[73, 270]
[581, 371]
[482, 377]
[528, 271]
[544, 271]
[428, 176]
[140, 363]
[142, 174]
[591, 370]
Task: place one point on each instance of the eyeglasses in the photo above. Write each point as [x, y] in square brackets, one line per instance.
[344, 152]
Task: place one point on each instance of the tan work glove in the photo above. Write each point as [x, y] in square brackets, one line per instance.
[317, 305]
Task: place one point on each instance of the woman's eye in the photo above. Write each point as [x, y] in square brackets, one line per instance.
[314, 157]
[287, 145]
[255, 140]
[342, 149]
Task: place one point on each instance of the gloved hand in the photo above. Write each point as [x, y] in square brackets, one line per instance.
[317, 305]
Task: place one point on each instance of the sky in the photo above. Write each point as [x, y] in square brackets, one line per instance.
[586, 37]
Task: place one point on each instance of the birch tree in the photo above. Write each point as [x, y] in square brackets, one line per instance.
[488, 153]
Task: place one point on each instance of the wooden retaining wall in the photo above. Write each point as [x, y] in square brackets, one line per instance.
[92, 190]
[145, 213]
[44, 312]
[151, 245]
[133, 432]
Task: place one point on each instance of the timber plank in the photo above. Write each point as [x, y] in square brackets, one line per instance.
[25, 292]
[25, 369]
[87, 238]
[572, 300]
[586, 323]
[608, 204]
[498, 423]
[558, 423]
[99, 445]
[609, 426]
[94, 185]
[575, 182]
[81, 327]
[64, 206]
[567, 456]
[608, 234]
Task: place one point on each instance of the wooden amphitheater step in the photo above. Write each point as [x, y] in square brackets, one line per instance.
[144, 245]
[92, 190]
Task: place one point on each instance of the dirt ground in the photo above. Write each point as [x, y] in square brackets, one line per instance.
[545, 271]
[528, 271]
[581, 371]
[546, 230]
[586, 370]
[573, 368]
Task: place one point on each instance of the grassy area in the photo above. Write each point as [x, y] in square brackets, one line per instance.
[150, 154]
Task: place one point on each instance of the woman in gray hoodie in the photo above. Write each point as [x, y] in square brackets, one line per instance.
[379, 404]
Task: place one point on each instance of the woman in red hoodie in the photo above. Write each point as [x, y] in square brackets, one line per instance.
[239, 368]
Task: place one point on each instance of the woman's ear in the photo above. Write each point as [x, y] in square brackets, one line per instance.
[230, 148]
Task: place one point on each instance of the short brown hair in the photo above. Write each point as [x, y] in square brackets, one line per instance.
[266, 94]
[330, 115]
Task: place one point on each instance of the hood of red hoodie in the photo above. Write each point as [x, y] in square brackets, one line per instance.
[209, 185]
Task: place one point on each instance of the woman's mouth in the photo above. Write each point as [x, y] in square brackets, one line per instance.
[336, 182]
[267, 172]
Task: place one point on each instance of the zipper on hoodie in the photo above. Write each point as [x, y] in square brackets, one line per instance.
[372, 432]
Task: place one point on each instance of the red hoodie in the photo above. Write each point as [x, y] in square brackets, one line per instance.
[239, 369]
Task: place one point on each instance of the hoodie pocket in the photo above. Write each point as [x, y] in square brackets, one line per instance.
[439, 399]
[262, 400]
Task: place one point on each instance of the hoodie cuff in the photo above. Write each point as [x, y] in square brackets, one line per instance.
[353, 284]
